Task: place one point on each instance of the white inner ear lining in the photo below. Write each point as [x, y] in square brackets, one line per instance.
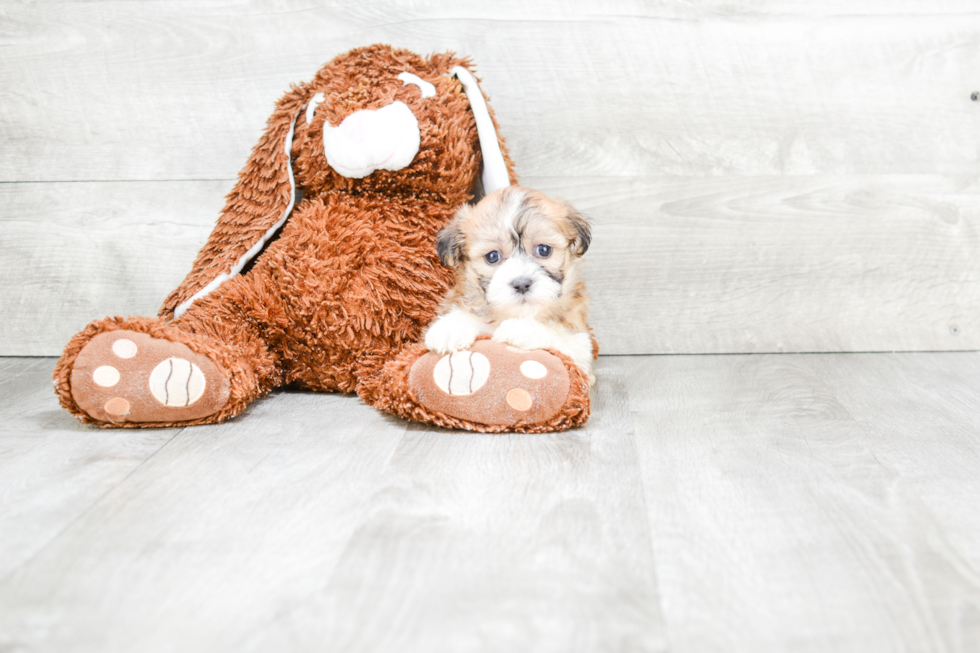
[495, 174]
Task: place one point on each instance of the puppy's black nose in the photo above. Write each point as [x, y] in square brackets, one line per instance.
[521, 285]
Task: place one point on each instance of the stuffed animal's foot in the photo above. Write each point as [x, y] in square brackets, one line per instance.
[125, 376]
[489, 387]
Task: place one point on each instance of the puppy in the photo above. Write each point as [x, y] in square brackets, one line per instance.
[517, 256]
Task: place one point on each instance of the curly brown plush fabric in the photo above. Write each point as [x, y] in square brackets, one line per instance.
[352, 277]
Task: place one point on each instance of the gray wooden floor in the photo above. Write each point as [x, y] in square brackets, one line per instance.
[714, 503]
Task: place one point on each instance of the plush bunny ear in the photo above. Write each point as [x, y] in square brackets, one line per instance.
[256, 208]
[495, 174]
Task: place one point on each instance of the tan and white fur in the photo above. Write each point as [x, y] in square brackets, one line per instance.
[517, 255]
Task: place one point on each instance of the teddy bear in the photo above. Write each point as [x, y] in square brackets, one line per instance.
[322, 272]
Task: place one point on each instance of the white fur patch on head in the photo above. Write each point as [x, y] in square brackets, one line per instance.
[511, 207]
[426, 88]
[366, 140]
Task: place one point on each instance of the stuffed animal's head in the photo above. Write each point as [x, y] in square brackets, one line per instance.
[375, 119]
[386, 120]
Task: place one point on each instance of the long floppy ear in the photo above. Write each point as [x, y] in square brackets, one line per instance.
[498, 169]
[583, 230]
[256, 207]
[450, 241]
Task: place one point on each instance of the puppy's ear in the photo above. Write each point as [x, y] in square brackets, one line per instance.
[449, 243]
[583, 230]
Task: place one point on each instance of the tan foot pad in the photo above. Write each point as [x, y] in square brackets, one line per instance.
[492, 384]
[125, 376]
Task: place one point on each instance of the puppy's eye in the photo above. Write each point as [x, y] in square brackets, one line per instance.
[492, 258]
[544, 251]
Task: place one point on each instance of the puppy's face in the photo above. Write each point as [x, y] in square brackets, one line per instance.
[517, 249]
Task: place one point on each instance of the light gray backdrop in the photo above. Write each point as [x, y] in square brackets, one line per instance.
[763, 176]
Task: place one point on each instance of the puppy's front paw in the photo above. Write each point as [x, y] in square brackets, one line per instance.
[450, 334]
[524, 334]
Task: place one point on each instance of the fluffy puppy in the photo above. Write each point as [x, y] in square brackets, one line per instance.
[517, 256]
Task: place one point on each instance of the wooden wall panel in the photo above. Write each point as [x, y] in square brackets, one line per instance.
[169, 90]
[736, 504]
[74, 252]
[678, 264]
[780, 264]
[777, 176]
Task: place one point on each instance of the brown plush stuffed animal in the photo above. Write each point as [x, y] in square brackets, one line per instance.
[330, 292]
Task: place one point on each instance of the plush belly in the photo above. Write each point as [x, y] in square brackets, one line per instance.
[356, 278]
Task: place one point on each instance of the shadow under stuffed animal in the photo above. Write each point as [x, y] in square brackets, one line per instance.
[322, 271]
